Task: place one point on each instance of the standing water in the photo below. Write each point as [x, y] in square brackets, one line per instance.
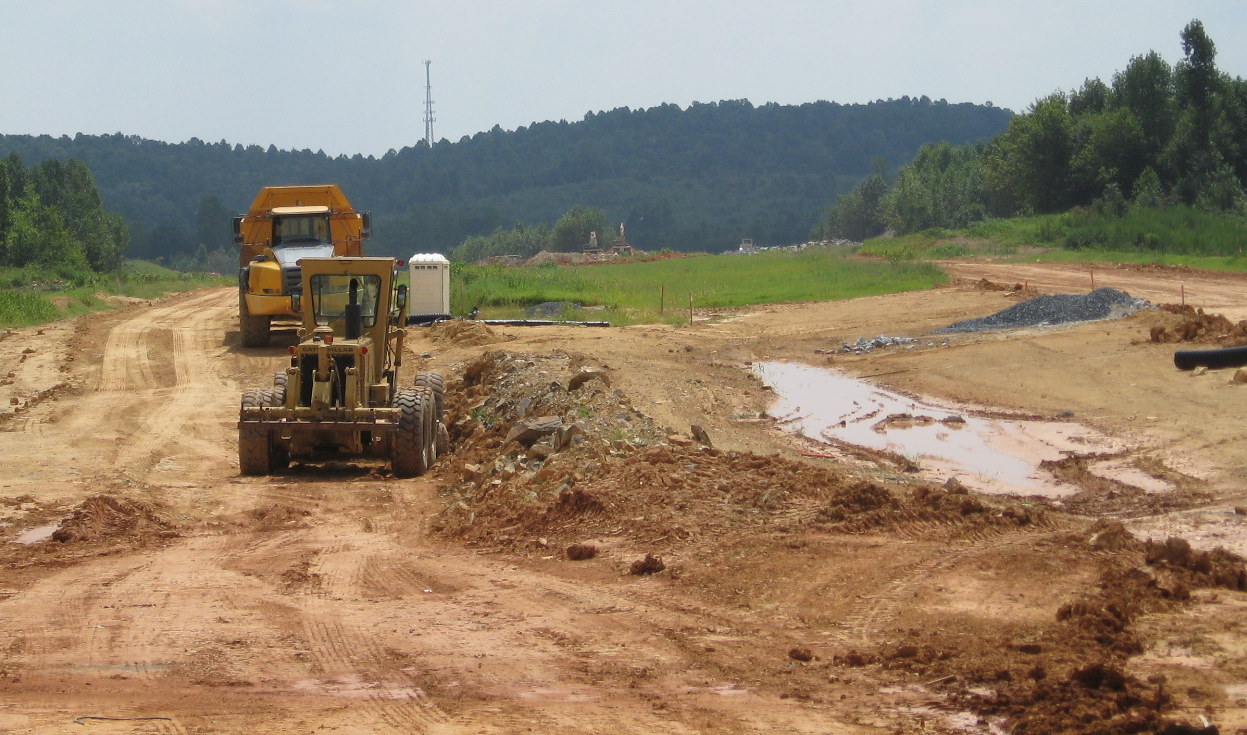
[988, 455]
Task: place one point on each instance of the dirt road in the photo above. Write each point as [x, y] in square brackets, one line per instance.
[798, 593]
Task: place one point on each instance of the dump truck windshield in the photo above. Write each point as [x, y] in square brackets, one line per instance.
[332, 292]
[300, 228]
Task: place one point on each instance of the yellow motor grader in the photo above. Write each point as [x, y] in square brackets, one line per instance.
[340, 395]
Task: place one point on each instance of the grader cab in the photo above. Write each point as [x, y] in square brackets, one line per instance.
[340, 395]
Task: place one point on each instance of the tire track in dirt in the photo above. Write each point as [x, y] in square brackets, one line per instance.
[59, 618]
[354, 666]
[182, 407]
[866, 623]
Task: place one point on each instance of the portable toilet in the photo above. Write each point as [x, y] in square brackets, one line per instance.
[430, 284]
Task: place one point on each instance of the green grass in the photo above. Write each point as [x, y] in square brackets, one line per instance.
[1176, 235]
[32, 296]
[659, 291]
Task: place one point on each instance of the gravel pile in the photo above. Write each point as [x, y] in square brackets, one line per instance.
[1102, 303]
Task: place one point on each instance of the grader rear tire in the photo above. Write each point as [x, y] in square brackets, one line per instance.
[412, 449]
[258, 454]
[437, 384]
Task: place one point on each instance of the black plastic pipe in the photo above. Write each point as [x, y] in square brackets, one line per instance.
[1222, 358]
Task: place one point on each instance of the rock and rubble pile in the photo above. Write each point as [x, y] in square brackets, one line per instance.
[863, 345]
[1053, 309]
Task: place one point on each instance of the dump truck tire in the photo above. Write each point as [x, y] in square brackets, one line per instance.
[437, 384]
[412, 446]
[254, 330]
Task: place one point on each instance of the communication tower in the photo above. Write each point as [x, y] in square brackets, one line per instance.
[428, 106]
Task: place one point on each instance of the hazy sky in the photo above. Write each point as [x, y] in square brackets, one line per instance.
[348, 76]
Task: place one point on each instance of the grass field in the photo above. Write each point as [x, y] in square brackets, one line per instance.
[1176, 235]
[659, 291]
[29, 296]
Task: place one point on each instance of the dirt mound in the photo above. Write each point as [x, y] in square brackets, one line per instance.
[1193, 325]
[618, 474]
[109, 518]
[276, 517]
[985, 284]
[464, 334]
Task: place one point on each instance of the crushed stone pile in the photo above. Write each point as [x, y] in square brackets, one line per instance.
[1052, 309]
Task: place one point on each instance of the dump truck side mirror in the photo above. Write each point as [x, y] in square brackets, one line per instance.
[367, 231]
[238, 229]
[400, 301]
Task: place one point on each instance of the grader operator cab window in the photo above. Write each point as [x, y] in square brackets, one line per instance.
[300, 229]
[331, 294]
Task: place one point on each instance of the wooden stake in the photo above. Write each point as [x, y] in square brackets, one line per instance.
[662, 298]
[1183, 286]
[690, 310]
[1092, 280]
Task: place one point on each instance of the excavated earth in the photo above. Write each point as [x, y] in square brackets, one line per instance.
[624, 539]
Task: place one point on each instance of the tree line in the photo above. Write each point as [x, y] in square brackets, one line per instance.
[52, 218]
[696, 178]
[1158, 134]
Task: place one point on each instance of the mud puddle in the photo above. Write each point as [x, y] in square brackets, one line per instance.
[38, 533]
[1205, 528]
[987, 454]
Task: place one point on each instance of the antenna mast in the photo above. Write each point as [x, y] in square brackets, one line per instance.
[428, 106]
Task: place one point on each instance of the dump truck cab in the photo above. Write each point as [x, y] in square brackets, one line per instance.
[339, 396]
[283, 226]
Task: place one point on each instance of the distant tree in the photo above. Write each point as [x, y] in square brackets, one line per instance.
[1094, 97]
[38, 236]
[1145, 87]
[1147, 190]
[1032, 157]
[1195, 162]
[857, 214]
[212, 223]
[942, 187]
[572, 231]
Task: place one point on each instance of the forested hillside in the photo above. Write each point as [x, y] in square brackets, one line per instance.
[696, 178]
[51, 219]
[1155, 136]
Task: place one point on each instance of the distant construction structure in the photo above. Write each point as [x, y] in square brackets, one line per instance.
[428, 105]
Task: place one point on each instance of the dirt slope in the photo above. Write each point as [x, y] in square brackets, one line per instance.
[797, 593]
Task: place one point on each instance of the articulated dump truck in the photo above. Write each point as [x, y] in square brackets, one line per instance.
[339, 397]
[284, 225]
